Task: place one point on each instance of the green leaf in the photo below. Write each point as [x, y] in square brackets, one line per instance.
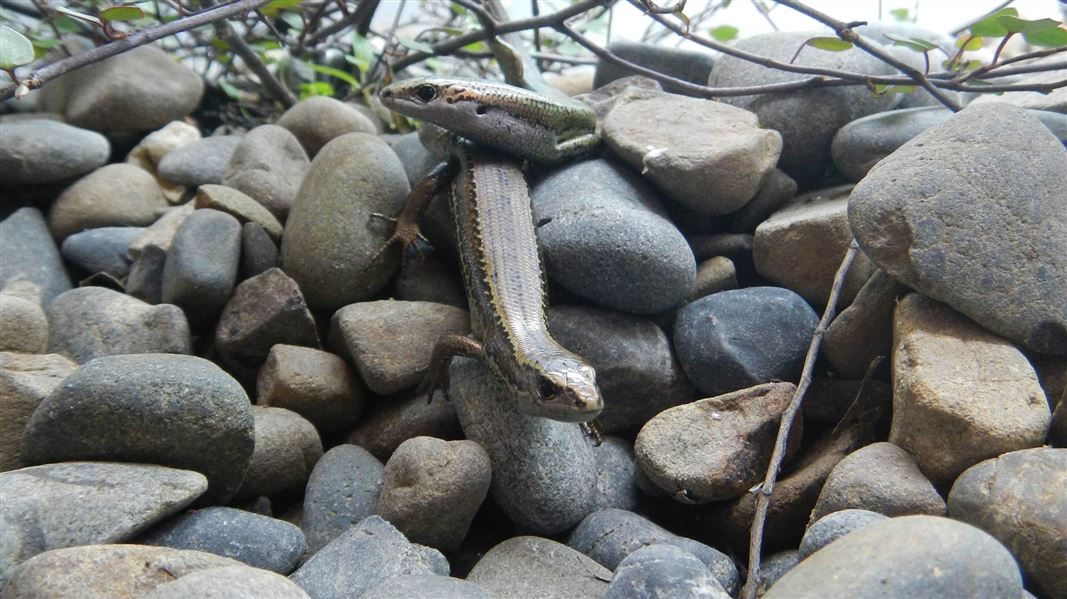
[231, 90]
[969, 43]
[122, 13]
[724, 33]
[991, 25]
[900, 14]
[415, 45]
[830, 44]
[66, 24]
[315, 88]
[272, 8]
[884, 88]
[363, 55]
[1048, 38]
[15, 49]
[476, 47]
[220, 45]
[912, 43]
[336, 73]
[42, 46]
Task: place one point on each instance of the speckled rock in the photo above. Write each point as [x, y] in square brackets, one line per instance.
[864, 330]
[1018, 498]
[960, 394]
[537, 567]
[833, 526]
[199, 162]
[287, 447]
[231, 582]
[426, 586]
[81, 503]
[319, 119]
[31, 254]
[46, 151]
[89, 322]
[330, 236]
[25, 380]
[663, 572]
[993, 248]
[201, 268]
[24, 326]
[687, 65]
[388, 424]
[101, 250]
[859, 145]
[111, 196]
[342, 490]
[258, 252]
[318, 385]
[268, 165]
[143, 408]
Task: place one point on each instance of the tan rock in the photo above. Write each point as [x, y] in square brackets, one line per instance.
[242, 207]
[318, 385]
[25, 380]
[111, 196]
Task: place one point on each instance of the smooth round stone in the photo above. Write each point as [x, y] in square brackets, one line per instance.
[388, 424]
[81, 503]
[906, 557]
[833, 526]
[859, 145]
[882, 478]
[1018, 498]
[26, 379]
[201, 268]
[101, 250]
[231, 582]
[154, 146]
[774, 567]
[426, 586]
[342, 490]
[31, 254]
[606, 237]
[330, 236]
[178, 411]
[319, 119]
[616, 474]
[970, 242]
[365, 555]
[268, 165]
[90, 322]
[416, 158]
[713, 275]
[24, 326]
[199, 162]
[686, 65]
[318, 385]
[286, 449]
[635, 370]
[111, 196]
[864, 330]
[537, 567]
[739, 338]
[258, 252]
[253, 539]
[239, 205]
[663, 572]
[47, 151]
[735, 246]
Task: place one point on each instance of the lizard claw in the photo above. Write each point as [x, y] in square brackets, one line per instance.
[431, 384]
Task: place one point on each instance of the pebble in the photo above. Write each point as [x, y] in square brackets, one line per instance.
[1057, 431]
[835, 525]
[635, 370]
[256, 540]
[160, 234]
[616, 483]
[263, 311]
[800, 247]
[81, 503]
[776, 189]
[606, 237]
[342, 490]
[882, 478]
[663, 572]
[687, 65]
[735, 246]
[116, 195]
[717, 448]
[426, 586]
[774, 567]
[707, 156]
[430, 280]
[713, 275]
[1018, 498]
[90, 322]
[199, 162]
[138, 90]
[807, 119]
[390, 342]
[101, 250]
[418, 161]
[735, 339]
[530, 566]
[431, 490]
[145, 408]
[859, 145]
[31, 254]
[909, 556]
[388, 424]
[154, 146]
[544, 471]
[258, 252]
[318, 385]
[268, 165]
[24, 326]
[362, 557]
[864, 330]
[942, 235]
[317, 120]
[231, 582]
[330, 236]
[939, 355]
[42, 151]
[240, 206]
[201, 267]
[145, 281]
[25, 380]
[286, 449]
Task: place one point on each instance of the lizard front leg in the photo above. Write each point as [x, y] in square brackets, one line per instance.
[447, 347]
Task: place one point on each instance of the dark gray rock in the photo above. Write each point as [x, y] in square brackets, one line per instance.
[687, 65]
[231, 582]
[418, 161]
[89, 322]
[253, 539]
[101, 250]
[388, 424]
[25, 380]
[775, 566]
[315, 384]
[426, 586]
[775, 190]
[82, 503]
[268, 165]
[201, 268]
[910, 556]
[31, 254]
[258, 252]
[178, 411]
[663, 572]
[537, 567]
[993, 247]
[46, 151]
[362, 557]
[430, 280]
[287, 447]
[1018, 498]
[739, 338]
[24, 326]
[199, 162]
[859, 145]
[145, 281]
[616, 475]
[833, 526]
[341, 491]
[115, 195]
[735, 246]
[317, 120]
[864, 330]
[606, 237]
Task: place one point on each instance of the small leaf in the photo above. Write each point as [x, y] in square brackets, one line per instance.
[900, 14]
[337, 73]
[415, 45]
[122, 13]
[231, 90]
[884, 88]
[969, 43]
[272, 8]
[830, 44]
[971, 65]
[477, 47]
[315, 88]
[1048, 38]
[724, 33]
[912, 43]
[79, 15]
[15, 49]
[220, 45]
[991, 25]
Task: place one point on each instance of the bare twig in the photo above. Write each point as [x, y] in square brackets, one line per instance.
[274, 87]
[359, 18]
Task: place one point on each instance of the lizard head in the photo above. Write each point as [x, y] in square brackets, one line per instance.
[566, 391]
[435, 99]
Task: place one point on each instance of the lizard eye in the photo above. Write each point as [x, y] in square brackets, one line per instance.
[545, 390]
[426, 93]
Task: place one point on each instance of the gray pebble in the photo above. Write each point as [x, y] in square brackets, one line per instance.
[775, 190]
[388, 424]
[663, 572]
[687, 65]
[286, 449]
[317, 120]
[101, 250]
[201, 268]
[616, 472]
[26, 379]
[864, 330]
[536, 567]
[735, 246]
[417, 160]
[775, 566]
[430, 280]
[341, 491]
[426, 586]
[145, 281]
[835, 525]
[31, 254]
[258, 252]
[268, 165]
[713, 275]
[46, 151]
[238, 205]
[199, 162]
[24, 326]
[231, 582]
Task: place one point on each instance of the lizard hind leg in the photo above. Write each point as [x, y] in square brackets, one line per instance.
[447, 347]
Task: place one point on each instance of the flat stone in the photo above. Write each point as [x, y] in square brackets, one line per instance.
[90, 322]
[713, 275]
[25, 380]
[687, 65]
[82, 503]
[426, 586]
[268, 165]
[24, 326]
[45, 151]
[1018, 498]
[881, 478]
[238, 205]
[833, 526]
[317, 120]
[201, 268]
[286, 449]
[538, 567]
[342, 490]
[258, 252]
[663, 572]
[256, 540]
[717, 448]
[161, 233]
[148, 408]
[960, 394]
[116, 195]
[232, 582]
[776, 189]
[993, 248]
[388, 424]
[101, 250]
[864, 330]
[735, 246]
[909, 556]
[199, 162]
[390, 341]
[318, 385]
[31, 254]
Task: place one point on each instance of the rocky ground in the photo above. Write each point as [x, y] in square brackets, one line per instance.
[207, 387]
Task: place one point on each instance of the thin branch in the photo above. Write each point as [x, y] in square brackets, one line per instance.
[359, 18]
[763, 500]
[274, 87]
[963, 28]
[999, 67]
